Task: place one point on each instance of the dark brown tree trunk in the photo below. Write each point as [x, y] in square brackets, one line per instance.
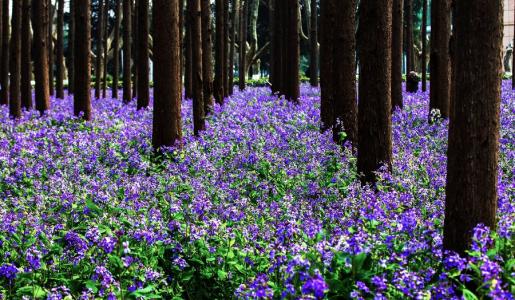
[424, 46]
[232, 50]
[207, 57]
[167, 126]
[313, 42]
[143, 56]
[188, 56]
[397, 52]
[99, 66]
[59, 84]
[409, 35]
[39, 27]
[15, 60]
[116, 48]
[338, 68]
[474, 126]
[82, 68]
[106, 50]
[135, 48]
[374, 112]
[440, 87]
[199, 123]
[218, 85]
[243, 45]
[4, 84]
[273, 45]
[291, 50]
[26, 64]
[50, 33]
[276, 53]
[127, 49]
[226, 49]
[71, 44]
[513, 53]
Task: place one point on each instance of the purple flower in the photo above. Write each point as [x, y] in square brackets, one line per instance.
[316, 286]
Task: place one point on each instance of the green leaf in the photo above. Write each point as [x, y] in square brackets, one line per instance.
[35, 290]
[222, 274]
[469, 295]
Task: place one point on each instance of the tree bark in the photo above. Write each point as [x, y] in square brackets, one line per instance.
[207, 57]
[166, 129]
[218, 85]
[291, 50]
[71, 43]
[41, 74]
[397, 52]
[127, 49]
[143, 56]
[82, 68]
[15, 60]
[60, 51]
[106, 50]
[26, 63]
[135, 48]
[116, 48]
[252, 66]
[4, 84]
[409, 36]
[374, 112]
[226, 49]
[338, 69]
[99, 66]
[313, 39]
[474, 126]
[424, 46]
[243, 45]
[234, 25]
[50, 48]
[199, 123]
[188, 67]
[513, 53]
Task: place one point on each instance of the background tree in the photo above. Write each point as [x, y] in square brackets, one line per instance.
[226, 49]
[408, 42]
[440, 63]
[116, 48]
[424, 45]
[71, 51]
[127, 47]
[313, 40]
[195, 12]
[4, 84]
[26, 64]
[143, 55]
[135, 47]
[15, 66]
[105, 25]
[59, 84]
[41, 74]
[291, 51]
[242, 68]
[82, 68]
[50, 36]
[188, 56]
[374, 111]
[220, 58]
[207, 56]
[397, 52]
[235, 17]
[99, 66]
[166, 129]
[472, 169]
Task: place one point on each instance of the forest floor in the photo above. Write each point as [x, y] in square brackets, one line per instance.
[261, 205]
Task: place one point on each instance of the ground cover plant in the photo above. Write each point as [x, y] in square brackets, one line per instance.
[260, 206]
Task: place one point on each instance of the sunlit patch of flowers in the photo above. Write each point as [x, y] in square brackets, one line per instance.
[260, 206]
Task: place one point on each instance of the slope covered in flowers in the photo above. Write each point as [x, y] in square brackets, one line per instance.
[261, 205]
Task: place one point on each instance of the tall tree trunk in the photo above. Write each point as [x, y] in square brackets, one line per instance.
[99, 71]
[397, 52]
[199, 123]
[243, 45]
[143, 56]
[232, 50]
[106, 50]
[313, 40]
[60, 51]
[253, 66]
[4, 84]
[82, 68]
[41, 74]
[273, 44]
[338, 68]
[218, 85]
[207, 57]
[409, 35]
[15, 60]
[135, 48]
[226, 49]
[424, 46]
[116, 49]
[167, 130]
[474, 126]
[374, 112]
[291, 50]
[513, 53]
[127, 49]
[50, 33]
[26, 64]
[71, 44]
[188, 54]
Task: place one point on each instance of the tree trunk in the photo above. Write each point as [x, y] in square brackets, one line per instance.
[218, 85]
[50, 47]
[71, 45]
[26, 63]
[127, 49]
[409, 36]
[106, 50]
[116, 49]
[4, 84]
[397, 52]
[226, 49]
[374, 112]
[167, 124]
[60, 51]
[207, 57]
[143, 56]
[273, 45]
[474, 126]
[291, 50]
[41, 74]
[243, 45]
[253, 66]
[15, 60]
[338, 69]
[135, 48]
[424, 46]
[199, 123]
[234, 24]
[513, 53]
[313, 39]
[99, 71]
[82, 68]
[188, 56]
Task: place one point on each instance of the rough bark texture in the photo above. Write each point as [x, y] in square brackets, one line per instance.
[116, 49]
[199, 122]
[374, 116]
[39, 25]
[82, 97]
[26, 64]
[188, 54]
[472, 167]
[424, 46]
[397, 52]
[291, 50]
[71, 45]
[232, 50]
[4, 84]
[50, 32]
[143, 55]
[59, 84]
[408, 5]
[440, 63]
[207, 57]
[218, 85]
[338, 68]
[313, 42]
[242, 68]
[127, 49]
[99, 65]
[167, 130]
[15, 60]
